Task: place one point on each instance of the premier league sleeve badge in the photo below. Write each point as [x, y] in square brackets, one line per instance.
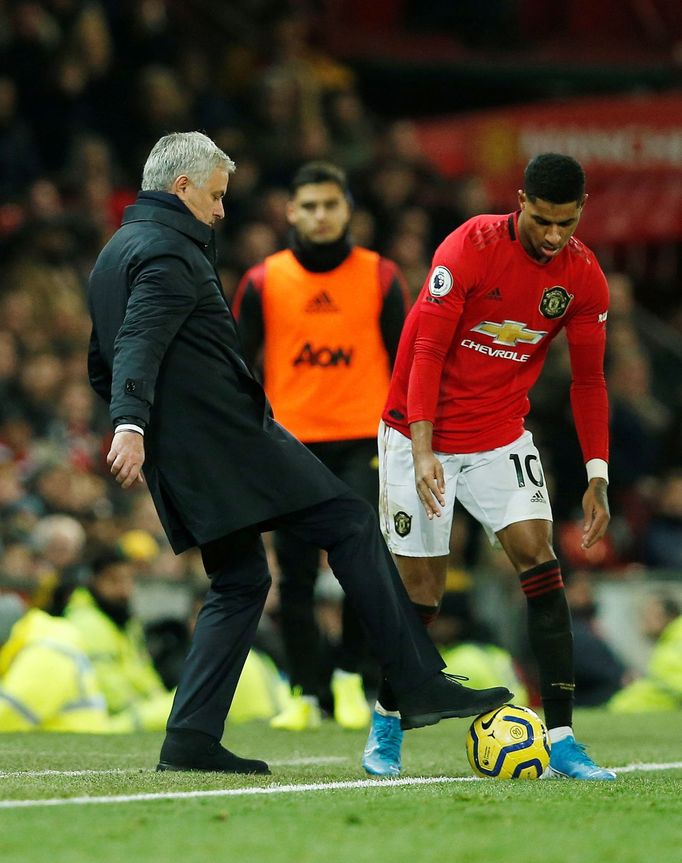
[441, 282]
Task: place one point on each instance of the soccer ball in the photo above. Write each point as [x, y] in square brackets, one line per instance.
[508, 743]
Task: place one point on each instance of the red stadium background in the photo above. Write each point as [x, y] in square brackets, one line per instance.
[631, 148]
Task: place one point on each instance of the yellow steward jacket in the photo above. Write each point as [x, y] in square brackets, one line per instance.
[47, 682]
[661, 686]
[134, 692]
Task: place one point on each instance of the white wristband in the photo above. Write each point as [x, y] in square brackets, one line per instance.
[597, 467]
[129, 427]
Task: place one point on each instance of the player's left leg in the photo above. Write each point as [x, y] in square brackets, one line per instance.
[528, 546]
[504, 489]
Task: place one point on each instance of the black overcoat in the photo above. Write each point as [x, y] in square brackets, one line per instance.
[165, 350]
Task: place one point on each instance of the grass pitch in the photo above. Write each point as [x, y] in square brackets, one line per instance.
[317, 805]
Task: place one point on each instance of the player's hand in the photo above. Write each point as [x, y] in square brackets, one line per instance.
[430, 482]
[596, 512]
[126, 458]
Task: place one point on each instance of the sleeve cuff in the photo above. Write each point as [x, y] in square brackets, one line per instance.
[129, 427]
[597, 468]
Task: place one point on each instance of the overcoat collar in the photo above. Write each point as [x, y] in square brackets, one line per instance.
[187, 224]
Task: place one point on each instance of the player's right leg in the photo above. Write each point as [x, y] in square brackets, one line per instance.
[424, 579]
[422, 570]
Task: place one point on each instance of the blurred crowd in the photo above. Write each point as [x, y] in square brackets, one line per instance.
[86, 88]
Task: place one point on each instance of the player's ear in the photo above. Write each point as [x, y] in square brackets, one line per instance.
[584, 200]
[291, 213]
[522, 198]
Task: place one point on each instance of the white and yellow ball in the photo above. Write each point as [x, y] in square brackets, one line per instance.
[508, 743]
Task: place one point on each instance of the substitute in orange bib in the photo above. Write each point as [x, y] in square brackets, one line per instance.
[327, 317]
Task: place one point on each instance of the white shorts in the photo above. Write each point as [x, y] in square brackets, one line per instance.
[498, 487]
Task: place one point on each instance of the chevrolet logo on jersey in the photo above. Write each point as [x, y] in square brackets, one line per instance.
[509, 333]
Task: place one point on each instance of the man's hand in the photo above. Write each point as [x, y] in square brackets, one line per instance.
[126, 458]
[596, 512]
[430, 482]
[428, 471]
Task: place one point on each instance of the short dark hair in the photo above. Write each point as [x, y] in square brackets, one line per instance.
[319, 172]
[555, 178]
[105, 557]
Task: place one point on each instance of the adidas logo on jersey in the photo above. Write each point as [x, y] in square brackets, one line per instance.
[537, 498]
[495, 294]
[321, 302]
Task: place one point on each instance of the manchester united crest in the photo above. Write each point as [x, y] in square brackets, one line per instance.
[402, 522]
[555, 301]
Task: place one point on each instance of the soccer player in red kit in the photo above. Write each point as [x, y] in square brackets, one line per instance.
[499, 290]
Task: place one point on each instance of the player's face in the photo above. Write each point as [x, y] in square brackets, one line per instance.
[545, 228]
[204, 202]
[319, 212]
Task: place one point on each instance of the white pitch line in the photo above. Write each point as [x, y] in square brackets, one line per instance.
[634, 768]
[283, 789]
[236, 792]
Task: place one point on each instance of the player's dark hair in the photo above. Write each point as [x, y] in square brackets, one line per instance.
[555, 178]
[104, 558]
[319, 172]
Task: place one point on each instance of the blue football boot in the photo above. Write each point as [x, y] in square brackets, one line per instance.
[569, 760]
[382, 751]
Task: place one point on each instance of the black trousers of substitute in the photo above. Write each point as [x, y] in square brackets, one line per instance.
[347, 528]
[353, 461]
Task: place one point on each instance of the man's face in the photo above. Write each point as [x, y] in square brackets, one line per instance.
[319, 212]
[204, 202]
[545, 228]
[116, 582]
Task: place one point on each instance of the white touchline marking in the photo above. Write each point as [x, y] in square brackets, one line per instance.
[634, 768]
[121, 771]
[284, 789]
[237, 792]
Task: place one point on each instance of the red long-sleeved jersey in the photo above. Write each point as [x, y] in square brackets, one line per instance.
[477, 337]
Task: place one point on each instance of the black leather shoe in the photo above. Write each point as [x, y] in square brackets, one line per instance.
[444, 697]
[193, 750]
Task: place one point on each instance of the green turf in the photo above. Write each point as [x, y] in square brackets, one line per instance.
[637, 818]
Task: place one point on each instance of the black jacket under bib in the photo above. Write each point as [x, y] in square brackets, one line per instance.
[165, 350]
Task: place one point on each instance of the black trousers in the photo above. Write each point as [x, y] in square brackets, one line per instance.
[355, 462]
[347, 528]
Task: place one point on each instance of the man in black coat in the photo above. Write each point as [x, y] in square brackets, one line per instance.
[165, 354]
